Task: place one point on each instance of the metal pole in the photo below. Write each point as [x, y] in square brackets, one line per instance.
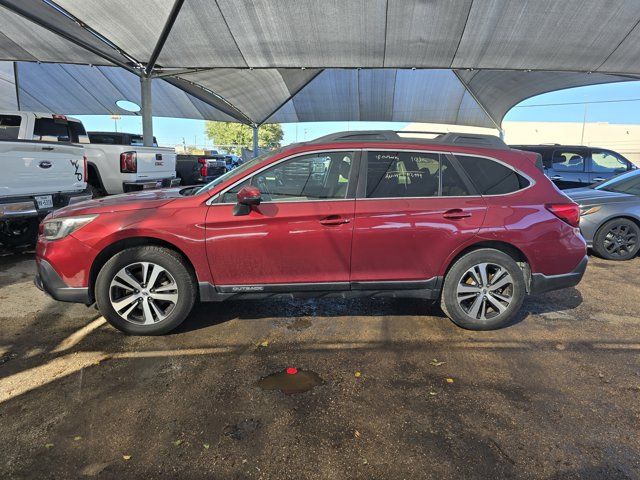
[255, 140]
[146, 108]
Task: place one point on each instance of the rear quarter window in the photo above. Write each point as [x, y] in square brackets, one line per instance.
[491, 177]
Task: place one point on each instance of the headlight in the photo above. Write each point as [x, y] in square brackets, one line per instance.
[589, 210]
[58, 228]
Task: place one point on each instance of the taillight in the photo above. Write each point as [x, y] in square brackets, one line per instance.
[567, 212]
[128, 162]
[84, 162]
[204, 170]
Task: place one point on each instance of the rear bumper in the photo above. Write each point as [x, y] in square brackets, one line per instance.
[541, 283]
[150, 184]
[24, 207]
[48, 280]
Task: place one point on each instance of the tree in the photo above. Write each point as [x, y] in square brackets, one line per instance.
[234, 136]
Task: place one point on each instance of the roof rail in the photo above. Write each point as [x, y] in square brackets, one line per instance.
[450, 138]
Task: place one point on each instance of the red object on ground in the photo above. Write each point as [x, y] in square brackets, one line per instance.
[292, 371]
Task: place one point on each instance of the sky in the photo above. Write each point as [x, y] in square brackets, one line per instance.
[613, 103]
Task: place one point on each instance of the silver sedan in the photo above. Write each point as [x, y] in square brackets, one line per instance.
[610, 215]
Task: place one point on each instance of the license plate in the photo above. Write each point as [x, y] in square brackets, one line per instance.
[44, 201]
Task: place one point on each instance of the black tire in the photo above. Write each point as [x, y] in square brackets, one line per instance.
[171, 262]
[459, 311]
[19, 233]
[617, 239]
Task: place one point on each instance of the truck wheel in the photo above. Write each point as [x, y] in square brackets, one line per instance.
[18, 233]
[618, 239]
[145, 290]
[483, 290]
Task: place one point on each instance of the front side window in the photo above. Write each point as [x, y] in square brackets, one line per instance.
[307, 177]
[607, 162]
[568, 161]
[402, 174]
[491, 177]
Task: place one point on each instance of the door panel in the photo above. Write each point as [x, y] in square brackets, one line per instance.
[281, 242]
[568, 168]
[409, 238]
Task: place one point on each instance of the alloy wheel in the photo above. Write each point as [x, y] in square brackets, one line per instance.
[143, 293]
[485, 291]
[620, 241]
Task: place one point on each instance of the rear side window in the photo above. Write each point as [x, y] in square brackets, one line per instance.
[402, 174]
[491, 177]
[568, 161]
[412, 174]
[9, 127]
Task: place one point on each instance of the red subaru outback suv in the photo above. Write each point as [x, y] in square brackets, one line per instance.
[460, 218]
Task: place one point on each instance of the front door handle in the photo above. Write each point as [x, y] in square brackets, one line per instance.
[456, 214]
[598, 179]
[334, 220]
[47, 149]
[556, 177]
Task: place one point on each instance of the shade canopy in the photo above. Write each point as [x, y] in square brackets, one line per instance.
[254, 61]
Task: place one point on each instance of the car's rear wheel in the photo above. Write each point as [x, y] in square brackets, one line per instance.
[145, 290]
[617, 239]
[483, 290]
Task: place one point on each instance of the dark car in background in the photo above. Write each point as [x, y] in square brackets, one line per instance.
[118, 138]
[578, 166]
[199, 169]
[610, 215]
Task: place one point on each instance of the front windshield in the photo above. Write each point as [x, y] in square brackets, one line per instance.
[626, 183]
[237, 171]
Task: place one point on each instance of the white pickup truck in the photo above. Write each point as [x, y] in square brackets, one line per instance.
[117, 163]
[40, 170]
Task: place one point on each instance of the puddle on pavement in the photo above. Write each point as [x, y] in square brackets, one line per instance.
[291, 384]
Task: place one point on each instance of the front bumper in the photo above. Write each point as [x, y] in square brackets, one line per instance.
[150, 184]
[541, 283]
[24, 207]
[48, 280]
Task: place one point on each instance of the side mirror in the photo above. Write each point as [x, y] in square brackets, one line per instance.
[247, 197]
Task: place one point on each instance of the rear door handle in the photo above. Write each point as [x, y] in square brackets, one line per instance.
[456, 214]
[598, 179]
[48, 149]
[556, 177]
[334, 220]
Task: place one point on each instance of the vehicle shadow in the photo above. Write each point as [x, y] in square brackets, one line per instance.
[209, 314]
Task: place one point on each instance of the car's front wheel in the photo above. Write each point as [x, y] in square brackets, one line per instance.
[145, 290]
[618, 239]
[483, 290]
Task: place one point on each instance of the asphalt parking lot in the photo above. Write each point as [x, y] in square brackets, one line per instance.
[403, 393]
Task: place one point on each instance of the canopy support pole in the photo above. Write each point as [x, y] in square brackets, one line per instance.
[146, 109]
[255, 127]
